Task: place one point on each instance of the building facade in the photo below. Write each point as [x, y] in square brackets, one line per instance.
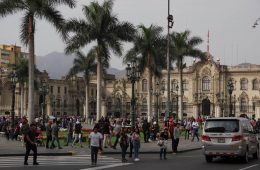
[205, 93]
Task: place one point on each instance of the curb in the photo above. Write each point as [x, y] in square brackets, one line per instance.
[40, 154]
[153, 152]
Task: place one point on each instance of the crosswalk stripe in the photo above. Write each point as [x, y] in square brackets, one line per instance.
[17, 161]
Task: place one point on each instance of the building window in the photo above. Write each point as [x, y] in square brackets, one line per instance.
[185, 106]
[243, 84]
[51, 89]
[128, 105]
[163, 105]
[255, 84]
[144, 85]
[58, 103]
[174, 85]
[58, 89]
[206, 84]
[65, 90]
[163, 85]
[243, 105]
[65, 103]
[185, 85]
[92, 93]
[144, 105]
[109, 106]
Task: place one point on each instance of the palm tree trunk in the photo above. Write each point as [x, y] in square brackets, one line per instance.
[31, 72]
[180, 114]
[22, 100]
[86, 114]
[149, 95]
[99, 78]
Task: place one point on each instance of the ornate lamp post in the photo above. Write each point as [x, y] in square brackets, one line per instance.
[221, 100]
[170, 24]
[177, 100]
[44, 90]
[133, 75]
[14, 80]
[230, 87]
[157, 92]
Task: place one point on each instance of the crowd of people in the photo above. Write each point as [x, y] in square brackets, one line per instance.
[100, 138]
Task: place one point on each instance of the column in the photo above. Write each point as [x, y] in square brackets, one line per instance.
[195, 111]
[217, 110]
[257, 110]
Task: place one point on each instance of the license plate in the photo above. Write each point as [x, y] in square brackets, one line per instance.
[221, 140]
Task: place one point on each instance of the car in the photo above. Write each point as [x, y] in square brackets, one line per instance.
[229, 137]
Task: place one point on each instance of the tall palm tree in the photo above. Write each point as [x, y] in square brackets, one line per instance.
[88, 66]
[32, 10]
[147, 51]
[103, 28]
[184, 46]
[22, 72]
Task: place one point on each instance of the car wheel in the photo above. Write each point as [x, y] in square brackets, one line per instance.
[208, 158]
[245, 157]
[256, 154]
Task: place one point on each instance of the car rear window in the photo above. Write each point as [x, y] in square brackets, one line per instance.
[221, 126]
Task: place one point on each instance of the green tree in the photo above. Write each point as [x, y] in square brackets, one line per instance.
[149, 44]
[88, 66]
[32, 10]
[102, 28]
[184, 46]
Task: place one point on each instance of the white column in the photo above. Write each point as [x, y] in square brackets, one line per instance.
[195, 111]
[217, 111]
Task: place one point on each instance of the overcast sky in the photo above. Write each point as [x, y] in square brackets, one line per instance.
[232, 38]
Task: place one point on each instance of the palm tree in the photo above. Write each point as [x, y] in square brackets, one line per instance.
[184, 46]
[86, 65]
[103, 28]
[22, 72]
[36, 9]
[147, 50]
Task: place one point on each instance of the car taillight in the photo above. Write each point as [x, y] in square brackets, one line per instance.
[205, 137]
[237, 137]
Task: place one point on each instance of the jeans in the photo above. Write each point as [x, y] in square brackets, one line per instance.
[69, 138]
[187, 134]
[175, 144]
[49, 139]
[94, 152]
[136, 146]
[117, 138]
[195, 133]
[124, 149]
[131, 149]
[54, 137]
[30, 147]
[77, 137]
[163, 152]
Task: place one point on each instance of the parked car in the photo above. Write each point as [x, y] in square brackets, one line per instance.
[229, 137]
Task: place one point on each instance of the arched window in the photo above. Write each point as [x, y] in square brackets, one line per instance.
[144, 85]
[243, 105]
[185, 85]
[255, 84]
[206, 84]
[243, 84]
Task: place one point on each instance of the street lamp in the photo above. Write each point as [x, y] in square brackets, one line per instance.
[157, 92]
[133, 75]
[221, 100]
[177, 100]
[14, 80]
[170, 25]
[256, 23]
[44, 90]
[230, 87]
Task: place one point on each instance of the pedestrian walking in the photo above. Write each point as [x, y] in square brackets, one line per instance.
[195, 130]
[70, 132]
[77, 134]
[176, 138]
[48, 134]
[124, 143]
[145, 128]
[130, 137]
[106, 131]
[136, 144]
[95, 139]
[55, 134]
[187, 126]
[162, 142]
[30, 141]
[117, 131]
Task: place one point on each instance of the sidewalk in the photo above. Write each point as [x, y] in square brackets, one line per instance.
[15, 148]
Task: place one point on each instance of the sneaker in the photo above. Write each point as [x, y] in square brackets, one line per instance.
[136, 159]
[60, 147]
[35, 163]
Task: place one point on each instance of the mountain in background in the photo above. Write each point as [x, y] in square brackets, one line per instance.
[58, 64]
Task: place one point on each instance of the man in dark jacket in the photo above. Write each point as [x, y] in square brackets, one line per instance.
[31, 144]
